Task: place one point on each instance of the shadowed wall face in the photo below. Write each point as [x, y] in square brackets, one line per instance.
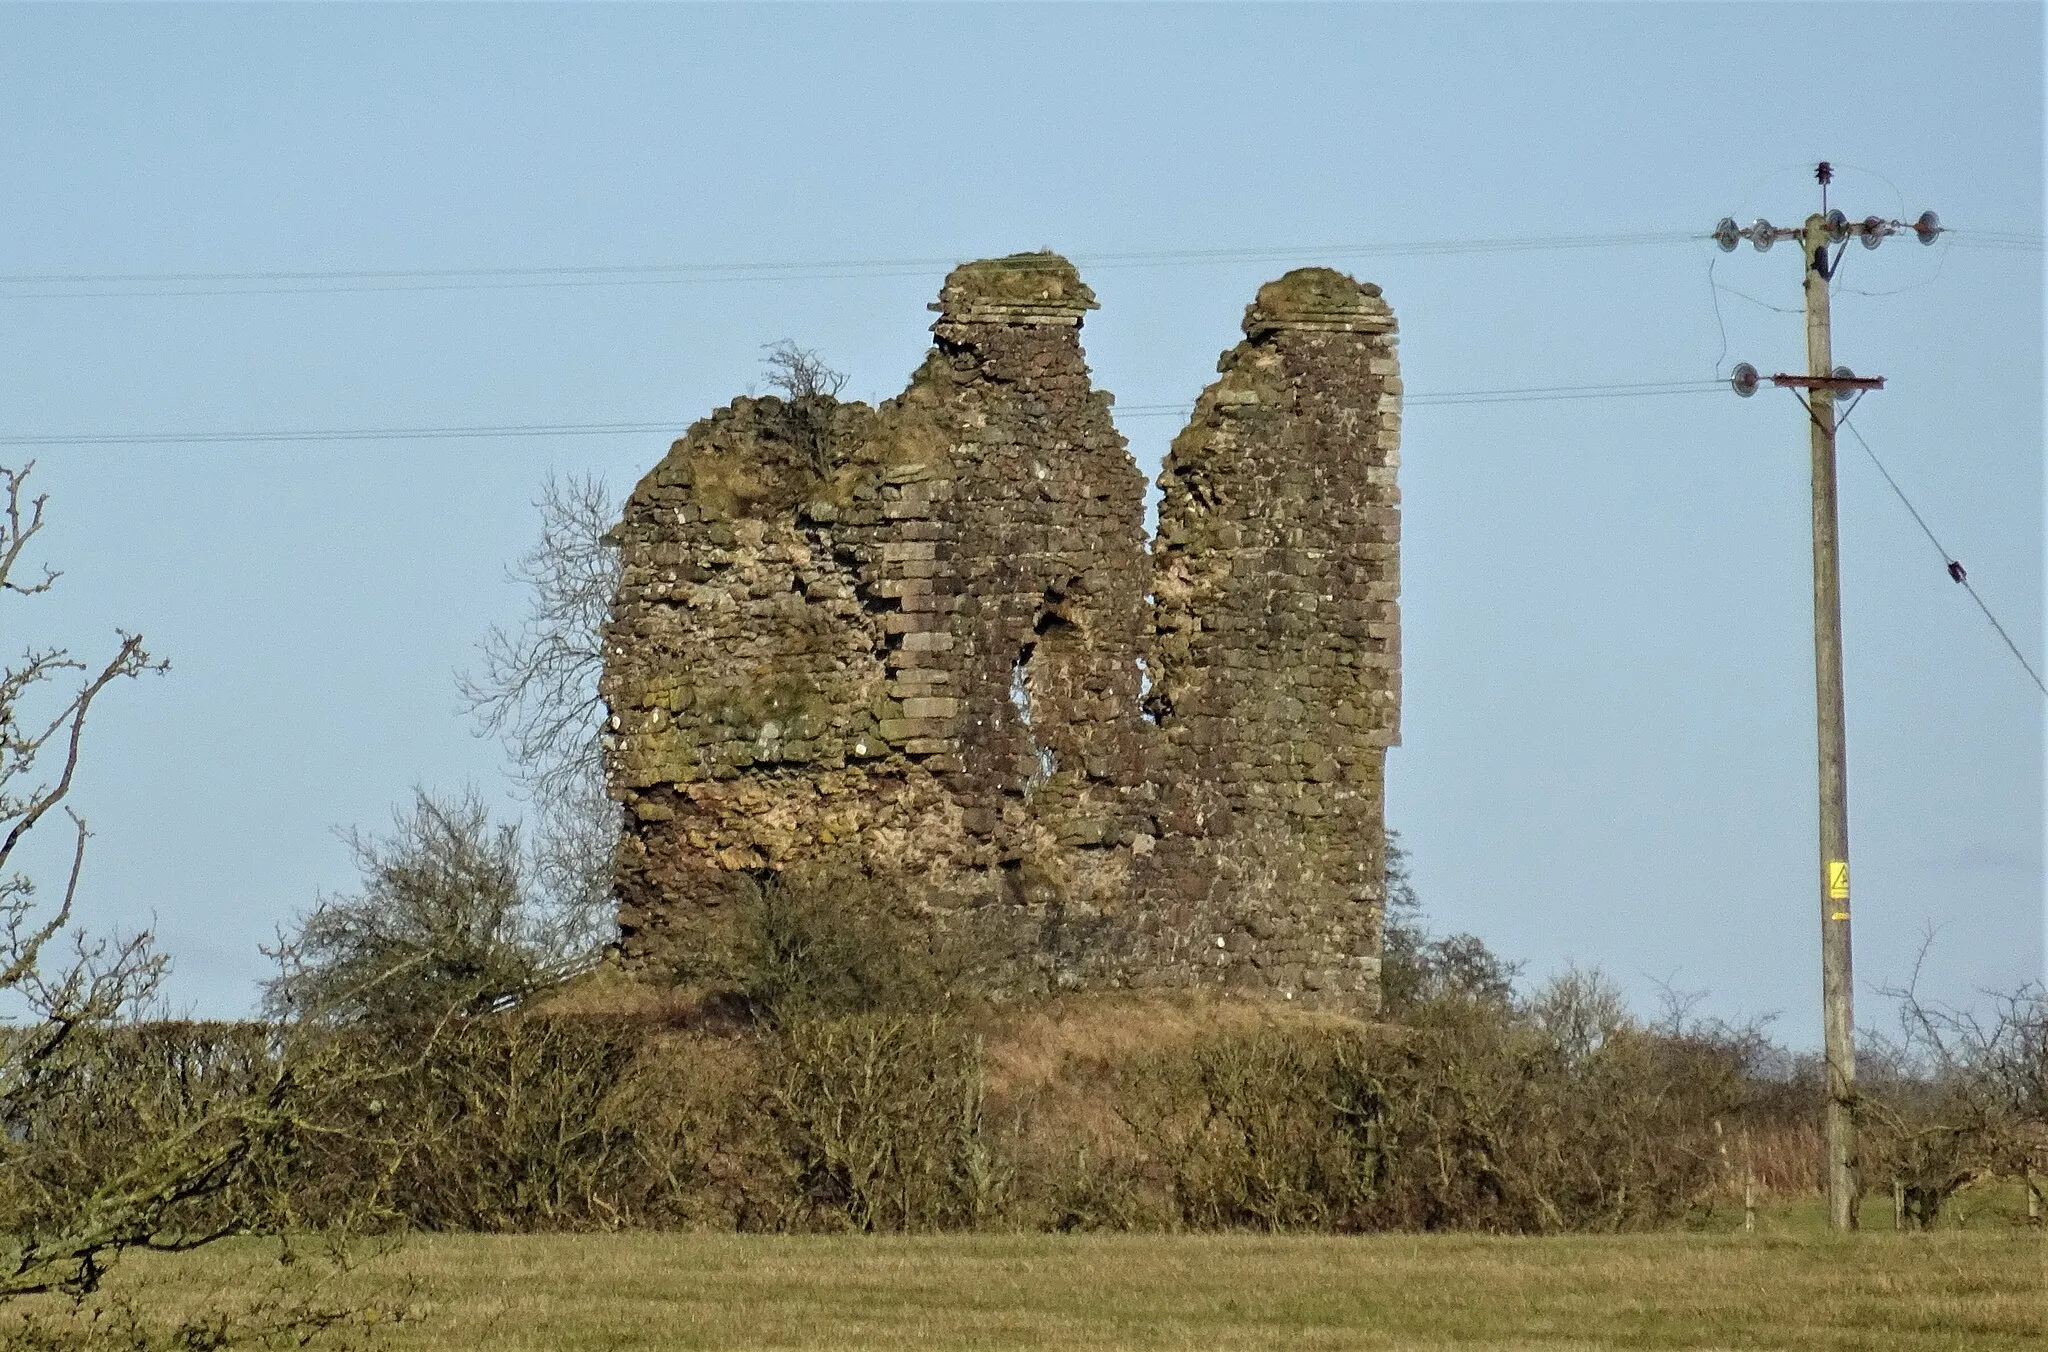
[911, 641]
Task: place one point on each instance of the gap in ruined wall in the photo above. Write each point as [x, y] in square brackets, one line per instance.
[1020, 699]
[1155, 497]
[1145, 710]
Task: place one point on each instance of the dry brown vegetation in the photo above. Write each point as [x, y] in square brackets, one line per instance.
[618, 1108]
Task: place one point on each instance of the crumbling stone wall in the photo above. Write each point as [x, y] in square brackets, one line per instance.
[912, 641]
[1277, 649]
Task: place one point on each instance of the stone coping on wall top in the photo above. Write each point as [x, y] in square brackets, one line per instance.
[1027, 288]
[1318, 298]
[1010, 314]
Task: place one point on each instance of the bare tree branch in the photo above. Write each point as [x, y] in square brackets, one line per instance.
[537, 689]
[67, 1214]
[131, 660]
[811, 391]
[801, 373]
[1962, 1095]
[15, 534]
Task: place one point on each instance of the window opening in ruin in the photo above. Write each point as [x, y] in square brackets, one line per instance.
[1020, 690]
[1020, 699]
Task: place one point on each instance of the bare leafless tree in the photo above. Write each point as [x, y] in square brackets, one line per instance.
[67, 1000]
[445, 919]
[537, 691]
[1961, 1095]
[46, 697]
[810, 389]
[538, 686]
[800, 373]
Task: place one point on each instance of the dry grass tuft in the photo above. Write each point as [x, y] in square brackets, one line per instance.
[1033, 1048]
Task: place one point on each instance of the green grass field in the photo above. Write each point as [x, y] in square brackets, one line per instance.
[1786, 1286]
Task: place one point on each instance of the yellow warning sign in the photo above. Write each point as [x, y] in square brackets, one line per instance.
[1838, 887]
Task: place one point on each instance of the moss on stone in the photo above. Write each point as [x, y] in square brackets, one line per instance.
[1318, 298]
[769, 707]
[1041, 280]
[1315, 289]
[759, 457]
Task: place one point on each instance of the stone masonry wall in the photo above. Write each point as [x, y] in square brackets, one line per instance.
[1277, 656]
[910, 641]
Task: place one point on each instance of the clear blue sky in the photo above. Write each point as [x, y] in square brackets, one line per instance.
[1608, 751]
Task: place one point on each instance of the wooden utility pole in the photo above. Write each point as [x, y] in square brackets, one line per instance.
[1822, 382]
[1838, 1025]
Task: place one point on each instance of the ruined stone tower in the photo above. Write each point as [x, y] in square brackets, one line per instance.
[913, 642]
[1276, 646]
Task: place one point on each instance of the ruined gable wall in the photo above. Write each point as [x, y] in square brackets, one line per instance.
[1277, 655]
[1047, 552]
[907, 641]
[743, 673]
[910, 649]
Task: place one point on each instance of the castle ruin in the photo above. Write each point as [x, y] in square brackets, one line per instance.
[930, 642]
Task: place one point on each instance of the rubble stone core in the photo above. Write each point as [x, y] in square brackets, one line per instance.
[925, 642]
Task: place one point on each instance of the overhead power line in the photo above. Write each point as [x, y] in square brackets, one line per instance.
[161, 438]
[1534, 394]
[279, 281]
[55, 285]
[1949, 561]
[2015, 241]
[342, 434]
